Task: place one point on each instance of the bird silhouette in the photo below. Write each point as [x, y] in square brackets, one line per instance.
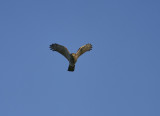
[71, 57]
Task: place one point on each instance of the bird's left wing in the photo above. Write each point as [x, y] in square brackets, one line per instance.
[61, 49]
[84, 49]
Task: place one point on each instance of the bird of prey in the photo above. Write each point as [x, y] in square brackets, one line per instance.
[71, 57]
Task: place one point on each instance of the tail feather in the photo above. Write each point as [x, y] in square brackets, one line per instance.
[71, 68]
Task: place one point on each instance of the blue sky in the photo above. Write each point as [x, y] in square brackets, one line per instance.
[119, 77]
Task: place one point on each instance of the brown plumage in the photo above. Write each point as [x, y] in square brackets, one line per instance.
[72, 58]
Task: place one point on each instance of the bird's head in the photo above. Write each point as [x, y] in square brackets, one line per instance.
[73, 54]
[73, 58]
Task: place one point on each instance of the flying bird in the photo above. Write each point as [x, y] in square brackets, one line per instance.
[71, 57]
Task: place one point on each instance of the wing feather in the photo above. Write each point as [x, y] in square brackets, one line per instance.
[84, 49]
[61, 49]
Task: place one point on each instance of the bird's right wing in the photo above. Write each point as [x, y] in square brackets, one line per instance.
[61, 49]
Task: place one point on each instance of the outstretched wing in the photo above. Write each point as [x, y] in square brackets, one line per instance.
[61, 49]
[84, 49]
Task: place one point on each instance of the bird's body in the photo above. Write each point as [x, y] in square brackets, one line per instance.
[72, 58]
[72, 62]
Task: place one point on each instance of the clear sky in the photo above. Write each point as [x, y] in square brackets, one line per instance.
[119, 77]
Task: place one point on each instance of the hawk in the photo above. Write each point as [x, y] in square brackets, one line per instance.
[71, 57]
